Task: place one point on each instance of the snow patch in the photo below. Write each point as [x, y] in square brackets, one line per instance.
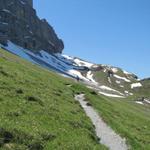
[111, 95]
[110, 89]
[126, 92]
[125, 72]
[118, 82]
[115, 70]
[121, 78]
[77, 74]
[90, 77]
[135, 85]
[147, 101]
[138, 102]
[80, 62]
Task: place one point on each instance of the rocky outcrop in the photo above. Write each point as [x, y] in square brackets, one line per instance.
[20, 24]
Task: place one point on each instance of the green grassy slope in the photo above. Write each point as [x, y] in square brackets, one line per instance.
[102, 78]
[38, 111]
[127, 118]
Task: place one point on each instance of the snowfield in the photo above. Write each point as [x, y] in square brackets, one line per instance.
[60, 63]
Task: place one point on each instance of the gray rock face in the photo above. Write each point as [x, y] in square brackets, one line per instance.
[20, 24]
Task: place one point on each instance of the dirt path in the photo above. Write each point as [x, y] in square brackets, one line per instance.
[108, 137]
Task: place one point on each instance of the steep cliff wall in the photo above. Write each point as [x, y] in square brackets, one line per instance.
[20, 24]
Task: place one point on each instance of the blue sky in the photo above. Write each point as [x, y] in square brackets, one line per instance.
[115, 32]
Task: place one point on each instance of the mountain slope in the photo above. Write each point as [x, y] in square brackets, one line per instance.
[38, 111]
[107, 80]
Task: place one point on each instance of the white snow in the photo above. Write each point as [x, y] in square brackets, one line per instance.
[103, 87]
[115, 70]
[122, 78]
[118, 82]
[105, 70]
[77, 74]
[67, 57]
[111, 95]
[147, 101]
[127, 92]
[135, 85]
[56, 61]
[107, 88]
[80, 62]
[18, 51]
[138, 102]
[90, 77]
[122, 86]
[125, 72]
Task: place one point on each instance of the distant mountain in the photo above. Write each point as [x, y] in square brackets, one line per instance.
[107, 80]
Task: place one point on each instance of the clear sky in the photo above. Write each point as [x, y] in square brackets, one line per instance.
[115, 32]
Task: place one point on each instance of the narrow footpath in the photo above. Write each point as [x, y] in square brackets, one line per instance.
[107, 136]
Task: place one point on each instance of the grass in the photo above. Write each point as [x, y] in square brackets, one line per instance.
[38, 110]
[127, 118]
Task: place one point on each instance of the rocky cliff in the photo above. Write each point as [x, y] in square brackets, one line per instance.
[20, 24]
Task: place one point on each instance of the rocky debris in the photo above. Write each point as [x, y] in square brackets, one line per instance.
[20, 24]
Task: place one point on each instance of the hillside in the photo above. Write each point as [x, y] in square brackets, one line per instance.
[38, 111]
[53, 101]
[107, 80]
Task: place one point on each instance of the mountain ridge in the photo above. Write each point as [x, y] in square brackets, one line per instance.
[107, 80]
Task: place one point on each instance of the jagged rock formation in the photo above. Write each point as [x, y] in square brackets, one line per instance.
[20, 24]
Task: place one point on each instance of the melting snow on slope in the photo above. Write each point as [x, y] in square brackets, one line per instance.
[67, 57]
[109, 89]
[77, 74]
[62, 63]
[18, 51]
[122, 78]
[111, 95]
[125, 72]
[147, 101]
[138, 102]
[80, 62]
[135, 85]
[118, 82]
[90, 77]
[115, 70]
